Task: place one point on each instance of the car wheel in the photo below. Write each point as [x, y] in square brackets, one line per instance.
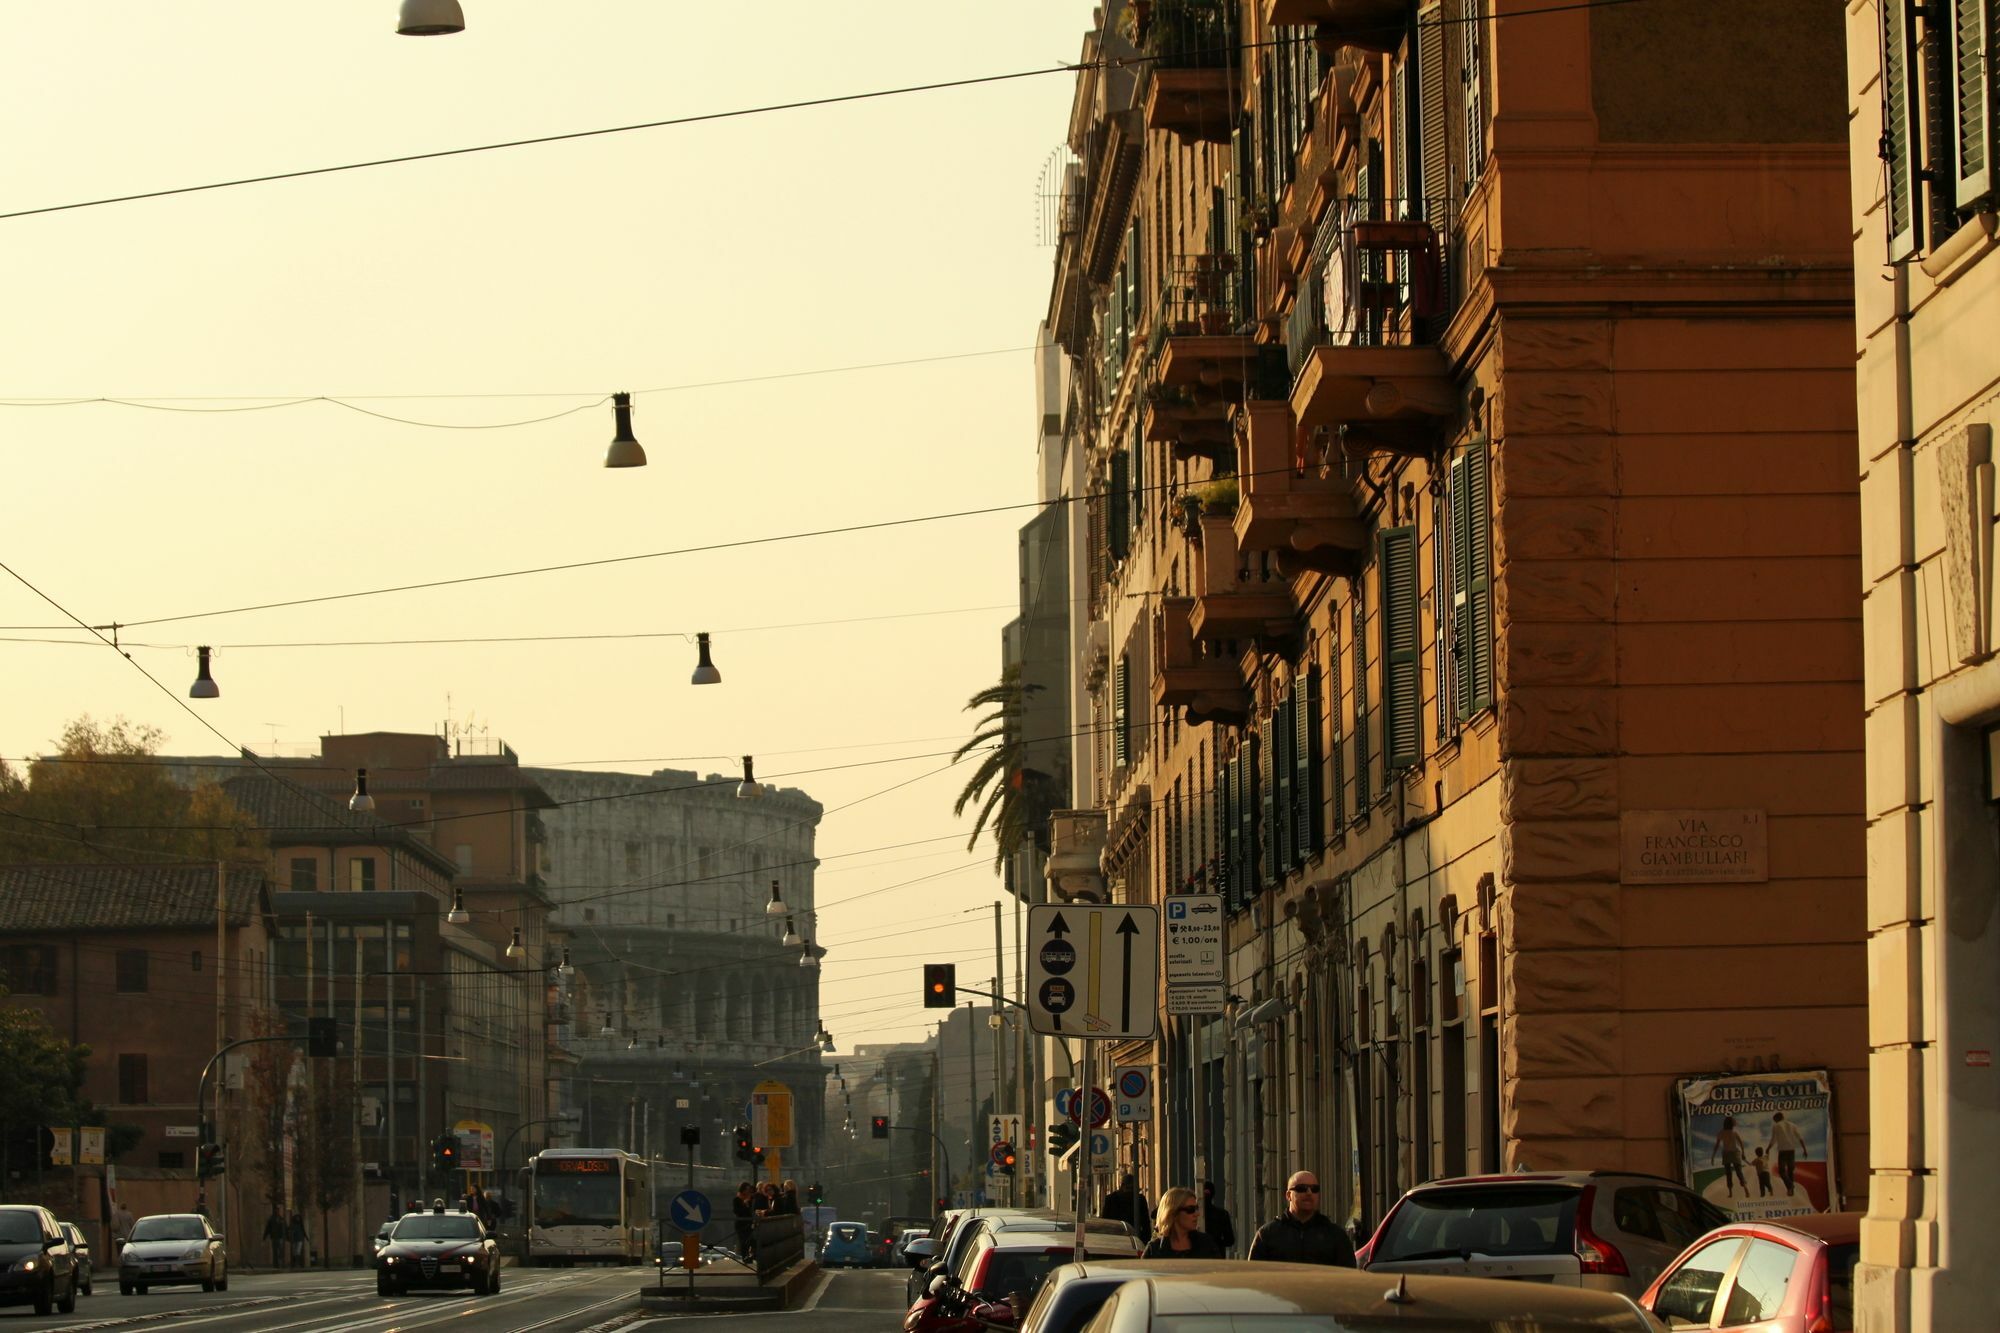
[67, 1305]
[381, 1286]
[493, 1286]
[124, 1288]
[141, 1287]
[208, 1284]
[45, 1300]
[222, 1283]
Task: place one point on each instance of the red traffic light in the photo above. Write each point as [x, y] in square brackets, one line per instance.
[878, 1126]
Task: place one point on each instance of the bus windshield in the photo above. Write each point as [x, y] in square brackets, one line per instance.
[575, 1197]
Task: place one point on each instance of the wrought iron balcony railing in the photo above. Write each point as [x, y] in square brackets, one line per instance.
[1379, 275]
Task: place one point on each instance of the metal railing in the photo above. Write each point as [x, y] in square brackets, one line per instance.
[1201, 296]
[1190, 34]
[1379, 275]
[779, 1242]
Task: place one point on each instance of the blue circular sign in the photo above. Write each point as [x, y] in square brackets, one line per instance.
[1132, 1083]
[1058, 956]
[1057, 995]
[689, 1211]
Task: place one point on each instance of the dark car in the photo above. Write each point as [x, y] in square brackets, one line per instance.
[86, 1268]
[438, 1249]
[36, 1265]
[172, 1247]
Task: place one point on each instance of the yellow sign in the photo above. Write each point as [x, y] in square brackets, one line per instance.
[59, 1151]
[771, 1114]
[90, 1145]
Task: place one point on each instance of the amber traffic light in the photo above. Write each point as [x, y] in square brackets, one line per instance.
[940, 985]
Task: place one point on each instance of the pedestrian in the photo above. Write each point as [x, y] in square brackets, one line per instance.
[1215, 1219]
[788, 1198]
[1787, 1143]
[274, 1231]
[295, 1232]
[121, 1227]
[1175, 1234]
[745, 1206]
[1127, 1204]
[1302, 1234]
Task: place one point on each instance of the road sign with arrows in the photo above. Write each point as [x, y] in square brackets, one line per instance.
[1093, 970]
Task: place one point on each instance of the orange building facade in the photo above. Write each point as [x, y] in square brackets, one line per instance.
[1463, 403]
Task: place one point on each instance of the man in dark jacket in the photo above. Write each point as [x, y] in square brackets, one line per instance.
[1215, 1219]
[1302, 1234]
[1127, 1204]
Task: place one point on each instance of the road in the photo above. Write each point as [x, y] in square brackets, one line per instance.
[531, 1300]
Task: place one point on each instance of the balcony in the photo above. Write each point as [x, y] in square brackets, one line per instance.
[1362, 337]
[1193, 91]
[1372, 25]
[1186, 672]
[1237, 595]
[1194, 429]
[1203, 336]
[1310, 522]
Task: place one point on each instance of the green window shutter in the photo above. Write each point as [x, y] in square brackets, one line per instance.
[1475, 109]
[1245, 873]
[1441, 612]
[1363, 757]
[1121, 717]
[1336, 746]
[1137, 449]
[1973, 24]
[1286, 775]
[1461, 578]
[1118, 498]
[1307, 835]
[1267, 820]
[1225, 830]
[1902, 118]
[1479, 578]
[1433, 141]
[1402, 649]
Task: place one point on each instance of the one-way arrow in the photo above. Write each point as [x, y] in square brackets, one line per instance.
[1127, 928]
[1057, 926]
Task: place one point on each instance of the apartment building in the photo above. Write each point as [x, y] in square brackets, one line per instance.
[1460, 391]
[1922, 99]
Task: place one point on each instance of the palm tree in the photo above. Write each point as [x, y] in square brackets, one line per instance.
[1014, 799]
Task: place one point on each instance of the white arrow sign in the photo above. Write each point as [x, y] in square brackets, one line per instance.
[1093, 971]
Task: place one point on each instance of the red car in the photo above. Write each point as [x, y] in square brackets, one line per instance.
[1794, 1276]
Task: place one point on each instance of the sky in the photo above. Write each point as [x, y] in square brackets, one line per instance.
[487, 289]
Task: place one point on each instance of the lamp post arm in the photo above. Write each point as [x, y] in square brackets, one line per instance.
[201, 1085]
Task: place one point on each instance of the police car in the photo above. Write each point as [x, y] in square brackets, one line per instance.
[440, 1248]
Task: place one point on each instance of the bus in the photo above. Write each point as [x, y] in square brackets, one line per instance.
[588, 1205]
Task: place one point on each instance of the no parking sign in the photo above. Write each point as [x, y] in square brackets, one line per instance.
[1133, 1085]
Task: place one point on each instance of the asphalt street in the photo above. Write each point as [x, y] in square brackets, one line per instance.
[531, 1300]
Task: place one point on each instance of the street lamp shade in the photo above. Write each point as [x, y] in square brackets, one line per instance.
[515, 949]
[361, 802]
[458, 916]
[776, 907]
[749, 789]
[792, 939]
[430, 18]
[204, 686]
[809, 959]
[624, 450]
[704, 670]
[607, 1030]
[633, 1043]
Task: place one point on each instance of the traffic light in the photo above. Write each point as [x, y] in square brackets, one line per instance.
[817, 1195]
[210, 1161]
[690, 1136]
[878, 1126]
[1062, 1137]
[940, 985]
[323, 1037]
[746, 1151]
[1003, 1158]
[444, 1152]
[757, 1156]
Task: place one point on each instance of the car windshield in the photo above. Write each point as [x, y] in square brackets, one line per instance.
[1489, 1219]
[19, 1229]
[434, 1227]
[168, 1228]
[1016, 1272]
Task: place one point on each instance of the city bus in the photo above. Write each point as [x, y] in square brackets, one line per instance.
[587, 1205]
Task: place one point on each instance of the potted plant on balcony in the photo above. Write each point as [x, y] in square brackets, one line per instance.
[1218, 496]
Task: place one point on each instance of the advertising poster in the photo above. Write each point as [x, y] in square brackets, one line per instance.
[1759, 1145]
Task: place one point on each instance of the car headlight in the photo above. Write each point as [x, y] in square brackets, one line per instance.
[28, 1265]
[388, 1258]
[196, 1253]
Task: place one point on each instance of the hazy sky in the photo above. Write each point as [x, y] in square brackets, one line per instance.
[764, 245]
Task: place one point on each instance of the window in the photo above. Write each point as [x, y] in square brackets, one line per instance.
[1469, 75]
[1363, 759]
[1688, 1295]
[29, 969]
[1308, 797]
[1121, 711]
[1937, 118]
[1759, 1290]
[361, 874]
[194, 960]
[1471, 582]
[132, 971]
[305, 874]
[632, 858]
[1402, 648]
[132, 1079]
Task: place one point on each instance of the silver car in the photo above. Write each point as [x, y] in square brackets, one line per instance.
[80, 1247]
[172, 1247]
[1611, 1231]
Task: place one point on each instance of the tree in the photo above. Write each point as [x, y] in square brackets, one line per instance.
[100, 797]
[1014, 799]
[326, 1149]
[44, 1079]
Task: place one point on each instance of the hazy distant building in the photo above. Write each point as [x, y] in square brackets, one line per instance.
[688, 996]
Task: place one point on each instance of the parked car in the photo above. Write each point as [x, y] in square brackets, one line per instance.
[848, 1245]
[999, 1273]
[1323, 1300]
[170, 1248]
[1071, 1295]
[79, 1246]
[441, 1248]
[1606, 1230]
[382, 1235]
[1790, 1276]
[36, 1266]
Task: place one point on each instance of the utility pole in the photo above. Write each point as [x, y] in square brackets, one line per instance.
[221, 1023]
[971, 1098]
[355, 1210]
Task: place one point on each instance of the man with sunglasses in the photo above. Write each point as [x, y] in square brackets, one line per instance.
[1302, 1234]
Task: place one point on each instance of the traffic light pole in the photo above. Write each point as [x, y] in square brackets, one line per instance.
[1086, 1114]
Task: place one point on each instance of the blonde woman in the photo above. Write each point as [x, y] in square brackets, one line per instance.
[1176, 1233]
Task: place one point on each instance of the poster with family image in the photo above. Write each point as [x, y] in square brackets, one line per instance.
[1759, 1145]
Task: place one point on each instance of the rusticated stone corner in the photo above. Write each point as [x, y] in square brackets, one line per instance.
[1563, 1045]
[1562, 916]
[1541, 653]
[1573, 982]
[1554, 344]
[1557, 721]
[1568, 528]
[1559, 789]
[1557, 851]
[1561, 590]
[1557, 403]
[1557, 1108]
[1550, 465]
[1560, 1154]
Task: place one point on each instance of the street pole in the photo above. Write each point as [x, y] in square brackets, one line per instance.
[221, 1021]
[355, 1211]
[1084, 1115]
[993, 1021]
[971, 1101]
